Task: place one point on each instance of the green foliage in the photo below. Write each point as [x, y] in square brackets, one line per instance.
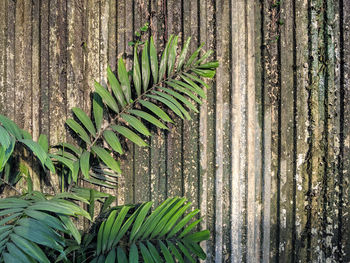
[127, 108]
[161, 236]
[39, 228]
[33, 227]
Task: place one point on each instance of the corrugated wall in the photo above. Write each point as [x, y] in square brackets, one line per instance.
[267, 159]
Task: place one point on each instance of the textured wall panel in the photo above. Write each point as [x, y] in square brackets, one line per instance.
[266, 159]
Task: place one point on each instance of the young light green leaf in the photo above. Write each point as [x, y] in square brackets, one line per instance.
[164, 59]
[167, 103]
[85, 164]
[156, 110]
[115, 86]
[97, 107]
[136, 124]
[146, 72]
[154, 61]
[149, 118]
[136, 74]
[113, 141]
[172, 55]
[85, 120]
[78, 130]
[106, 97]
[124, 80]
[183, 54]
[127, 133]
[107, 158]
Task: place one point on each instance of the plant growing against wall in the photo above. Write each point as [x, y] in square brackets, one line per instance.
[36, 227]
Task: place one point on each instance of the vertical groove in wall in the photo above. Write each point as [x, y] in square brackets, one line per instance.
[344, 22]
[3, 58]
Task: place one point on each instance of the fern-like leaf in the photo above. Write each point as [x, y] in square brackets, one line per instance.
[154, 88]
[161, 236]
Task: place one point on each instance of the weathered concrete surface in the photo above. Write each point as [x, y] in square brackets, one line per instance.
[267, 157]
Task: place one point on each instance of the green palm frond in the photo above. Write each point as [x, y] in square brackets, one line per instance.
[31, 224]
[12, 136]
[126, 108]
[165, 235]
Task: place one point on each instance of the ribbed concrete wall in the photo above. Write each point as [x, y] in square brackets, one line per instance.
[267, 159]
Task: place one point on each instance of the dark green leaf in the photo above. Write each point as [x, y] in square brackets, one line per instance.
[127, 133]
[113, 141]
[133, 254]
[115, 86]
[85, 163]
[167, 103]
[139, 220]
[175, 102]
[11, 127]
[107, 158]
[78, 130]
[121, 255]
[146, 255]
[85, 120]
[181, 98]
[97, 107]
[136, 124]
[149, 118]
[30, 248]
[182, 89]
[5, 139]
[36, 149]
[156, 110]
[106, 97]
[166, 253]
